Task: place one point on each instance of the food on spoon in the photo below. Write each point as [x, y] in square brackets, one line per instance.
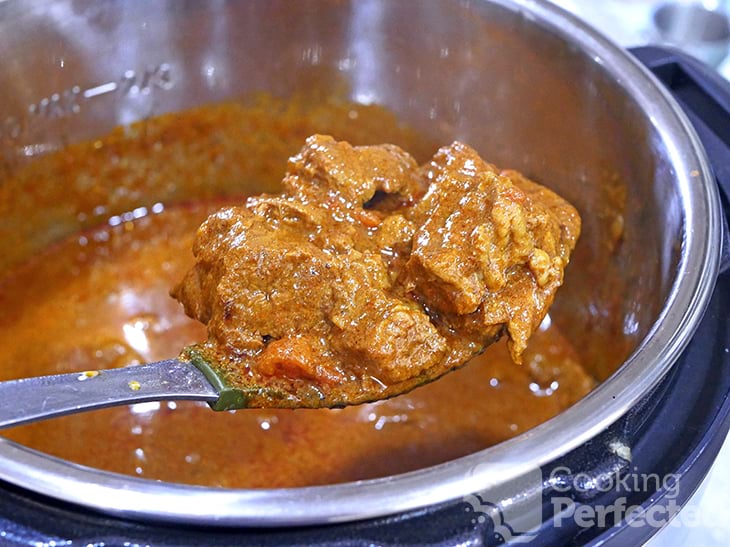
[369, 275]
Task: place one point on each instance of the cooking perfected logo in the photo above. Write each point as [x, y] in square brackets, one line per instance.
[611, 501]
[559, 498]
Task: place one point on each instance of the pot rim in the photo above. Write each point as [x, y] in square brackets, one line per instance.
[689, 296]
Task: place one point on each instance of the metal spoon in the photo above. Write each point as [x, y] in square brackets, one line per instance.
[32, 399]
[192, 376]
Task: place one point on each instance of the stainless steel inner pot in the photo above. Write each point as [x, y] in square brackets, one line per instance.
[528, 85]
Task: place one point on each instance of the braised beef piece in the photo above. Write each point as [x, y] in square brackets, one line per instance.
[369, 275]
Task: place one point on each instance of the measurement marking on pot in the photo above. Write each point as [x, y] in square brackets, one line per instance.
[69, 102]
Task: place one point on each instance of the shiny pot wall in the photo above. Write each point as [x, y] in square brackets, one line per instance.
[524, 83]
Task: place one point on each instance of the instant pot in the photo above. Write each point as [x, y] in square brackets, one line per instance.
[532, 88]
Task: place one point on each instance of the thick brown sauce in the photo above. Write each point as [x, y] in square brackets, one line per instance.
[100, 298]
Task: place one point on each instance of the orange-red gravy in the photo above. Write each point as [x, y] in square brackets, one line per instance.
[100, 299]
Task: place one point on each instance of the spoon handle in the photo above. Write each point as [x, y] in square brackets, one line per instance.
[30, 399]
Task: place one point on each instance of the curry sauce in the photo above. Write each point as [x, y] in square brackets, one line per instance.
[99, 298]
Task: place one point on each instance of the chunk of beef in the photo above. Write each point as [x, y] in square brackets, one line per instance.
[354, 284]
[490, 243]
